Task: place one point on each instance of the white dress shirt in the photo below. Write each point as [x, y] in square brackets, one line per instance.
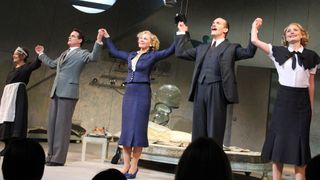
[299, 77]
[219, 41]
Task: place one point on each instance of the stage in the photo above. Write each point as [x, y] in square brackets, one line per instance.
[75, 169]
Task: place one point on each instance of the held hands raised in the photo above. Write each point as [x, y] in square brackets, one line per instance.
[100, 35]
[106, 34]
[182, 27]
[39, 49]
[257, 23]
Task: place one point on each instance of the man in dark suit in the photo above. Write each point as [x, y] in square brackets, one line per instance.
[65, 92]
[213, 82]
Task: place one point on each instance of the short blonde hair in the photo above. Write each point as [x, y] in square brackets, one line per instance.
[155, 43]
[305, 35]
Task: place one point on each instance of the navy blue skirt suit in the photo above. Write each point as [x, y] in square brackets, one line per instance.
[137, 98]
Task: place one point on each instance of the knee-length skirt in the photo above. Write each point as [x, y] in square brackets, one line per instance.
[287, 138]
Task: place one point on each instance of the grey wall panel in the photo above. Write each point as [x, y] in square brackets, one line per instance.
[249, 116]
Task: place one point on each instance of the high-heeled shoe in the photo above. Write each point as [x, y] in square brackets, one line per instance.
[131, 176]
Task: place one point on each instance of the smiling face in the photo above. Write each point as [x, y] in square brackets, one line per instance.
[144, 41]
[20, 55]
[219, 28]
[74, 40]
[17, 57]
[294, 33]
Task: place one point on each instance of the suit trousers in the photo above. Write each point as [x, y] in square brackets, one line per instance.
[209, 112]
[59, 128]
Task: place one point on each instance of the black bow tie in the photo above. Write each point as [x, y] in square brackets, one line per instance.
[294, 60]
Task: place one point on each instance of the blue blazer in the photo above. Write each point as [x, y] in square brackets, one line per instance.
[145, 63]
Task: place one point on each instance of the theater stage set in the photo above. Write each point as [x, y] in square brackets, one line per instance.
[27, 23]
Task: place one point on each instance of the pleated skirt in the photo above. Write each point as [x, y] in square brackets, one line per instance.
[287, 138]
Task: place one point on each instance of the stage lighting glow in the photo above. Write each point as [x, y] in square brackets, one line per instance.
[93, 6]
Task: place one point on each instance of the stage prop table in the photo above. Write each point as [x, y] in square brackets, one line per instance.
[246, 162]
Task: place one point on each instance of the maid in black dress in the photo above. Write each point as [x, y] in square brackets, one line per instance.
[14, 101]
[287, 140]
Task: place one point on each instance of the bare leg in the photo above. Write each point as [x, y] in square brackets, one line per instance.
[277, 171]
[126, 158]
[135, 159]
[300, 172]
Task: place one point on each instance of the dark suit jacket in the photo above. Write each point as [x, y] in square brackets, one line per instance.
[229, 53]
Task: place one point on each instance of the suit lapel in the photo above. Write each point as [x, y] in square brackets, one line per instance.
[62, 57]
[68, 56]
[222, 47]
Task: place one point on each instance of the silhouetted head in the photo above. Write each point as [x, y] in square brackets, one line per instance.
[24, 159]
[312, 169]
[112, 174]
[203, 159]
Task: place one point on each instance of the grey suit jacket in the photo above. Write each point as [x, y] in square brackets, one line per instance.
[66, 82]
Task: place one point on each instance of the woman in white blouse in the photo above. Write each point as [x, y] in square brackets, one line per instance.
[287, 140]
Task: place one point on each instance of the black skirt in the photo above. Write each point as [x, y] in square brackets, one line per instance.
[287, 139]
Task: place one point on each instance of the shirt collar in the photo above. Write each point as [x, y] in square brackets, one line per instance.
[299, 50]
[72, 48]
[219, 41]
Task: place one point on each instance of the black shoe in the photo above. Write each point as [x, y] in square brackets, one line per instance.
[54, 164]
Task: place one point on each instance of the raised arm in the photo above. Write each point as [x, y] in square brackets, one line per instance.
[35, 64]
[165, 52]
[257, 23]
[94, 55]
[181, 41]
[39, 49]
[113, 51]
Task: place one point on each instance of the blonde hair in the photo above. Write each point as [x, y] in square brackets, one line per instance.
[155, 43]
[305, 35]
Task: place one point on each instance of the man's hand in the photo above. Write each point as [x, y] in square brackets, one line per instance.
[182, 27]
[100, 35]
[105, 33]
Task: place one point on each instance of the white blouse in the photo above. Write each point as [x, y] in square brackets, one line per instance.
[299, 77]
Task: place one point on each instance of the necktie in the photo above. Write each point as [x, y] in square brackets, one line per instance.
[64, 56]
[294, 59]
[213, 44]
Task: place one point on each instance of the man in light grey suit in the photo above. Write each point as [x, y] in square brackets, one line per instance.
[65, 92]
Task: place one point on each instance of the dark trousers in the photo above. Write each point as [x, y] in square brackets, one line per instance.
[59, 128]
[209, 112]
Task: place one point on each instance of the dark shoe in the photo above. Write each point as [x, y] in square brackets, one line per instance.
[131, 176]
[54, 164]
